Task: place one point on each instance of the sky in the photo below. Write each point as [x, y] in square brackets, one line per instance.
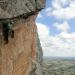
[56, 28]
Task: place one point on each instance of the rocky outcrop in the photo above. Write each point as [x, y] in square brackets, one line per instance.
[14, 8]
[22, 54]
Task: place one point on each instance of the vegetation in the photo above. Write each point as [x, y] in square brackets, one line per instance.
[59, 66]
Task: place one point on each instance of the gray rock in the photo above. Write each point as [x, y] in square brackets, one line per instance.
[14, 8]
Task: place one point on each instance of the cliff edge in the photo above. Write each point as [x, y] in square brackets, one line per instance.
[20, 49]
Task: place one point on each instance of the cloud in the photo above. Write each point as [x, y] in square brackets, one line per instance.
[40, 15]
[64, 13]
[68, 36]
[57, 4]
[62, 9]
[48, 9]
[42, 30]
[62, 27]
[63, 44]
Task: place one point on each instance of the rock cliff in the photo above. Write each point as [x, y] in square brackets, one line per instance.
[22, 54]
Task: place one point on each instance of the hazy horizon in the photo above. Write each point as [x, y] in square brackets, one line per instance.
[58, 57]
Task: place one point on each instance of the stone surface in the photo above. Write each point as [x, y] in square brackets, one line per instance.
[16, 56]
[22, 55]
[14, 8]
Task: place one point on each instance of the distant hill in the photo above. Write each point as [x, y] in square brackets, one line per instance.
[59, 58]
[59, 65]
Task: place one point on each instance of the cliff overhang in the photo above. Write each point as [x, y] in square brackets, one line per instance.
[19, 8]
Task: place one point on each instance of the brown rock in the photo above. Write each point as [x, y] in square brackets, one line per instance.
[20, 55]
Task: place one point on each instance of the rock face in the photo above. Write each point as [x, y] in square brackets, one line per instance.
[14, 8]
[22, 55]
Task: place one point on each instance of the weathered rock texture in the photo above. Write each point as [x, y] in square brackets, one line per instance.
[22, 55]
[14, 8]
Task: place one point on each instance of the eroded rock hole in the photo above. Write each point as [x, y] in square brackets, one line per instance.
[7, 31]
